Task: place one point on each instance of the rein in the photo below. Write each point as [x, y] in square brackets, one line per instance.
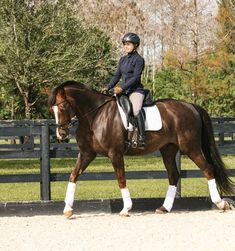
[75, 121]
[96, 108]
[67, 122]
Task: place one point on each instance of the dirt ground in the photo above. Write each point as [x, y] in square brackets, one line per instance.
[201, 230]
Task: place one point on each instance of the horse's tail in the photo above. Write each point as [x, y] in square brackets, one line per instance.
[210, 151]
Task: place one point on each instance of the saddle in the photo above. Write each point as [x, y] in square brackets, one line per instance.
[148, 100]
[126, 105]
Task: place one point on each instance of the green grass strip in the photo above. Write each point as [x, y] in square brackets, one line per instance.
[99, 189]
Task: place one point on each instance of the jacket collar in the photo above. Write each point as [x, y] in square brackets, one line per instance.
[131, 54]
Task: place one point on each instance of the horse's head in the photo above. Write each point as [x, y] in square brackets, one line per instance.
[62, 111]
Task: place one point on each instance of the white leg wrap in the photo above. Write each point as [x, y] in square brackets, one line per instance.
[69, 198]
[215, 197]
[170, 197]
[127, 202]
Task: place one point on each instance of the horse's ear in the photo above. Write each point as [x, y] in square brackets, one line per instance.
[46, 90]
[61, 93]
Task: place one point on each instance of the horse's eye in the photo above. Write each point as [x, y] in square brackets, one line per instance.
[61, 107]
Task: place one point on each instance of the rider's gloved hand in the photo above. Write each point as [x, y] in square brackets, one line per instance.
[117, 89]
[105, 90]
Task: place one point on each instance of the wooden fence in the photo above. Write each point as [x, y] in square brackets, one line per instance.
[40, 145]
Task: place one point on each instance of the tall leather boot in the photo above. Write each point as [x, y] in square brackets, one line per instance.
[141, 129]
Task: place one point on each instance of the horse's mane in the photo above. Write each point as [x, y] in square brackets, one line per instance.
[171, 99]
[72, 83]
[69, 83]
[165, 99]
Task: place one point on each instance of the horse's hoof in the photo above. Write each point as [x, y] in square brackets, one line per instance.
[229, 204]
[68, 214]
[226, 206]
[124, 213]
[161, 210]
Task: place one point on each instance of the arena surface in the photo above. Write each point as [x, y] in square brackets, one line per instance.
[200, 230]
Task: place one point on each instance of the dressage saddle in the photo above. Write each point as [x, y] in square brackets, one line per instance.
[135, 140]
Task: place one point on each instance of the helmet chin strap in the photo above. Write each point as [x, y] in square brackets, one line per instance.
[135, 49]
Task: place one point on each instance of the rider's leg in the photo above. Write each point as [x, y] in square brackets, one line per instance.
[141, 129]
[137, 99]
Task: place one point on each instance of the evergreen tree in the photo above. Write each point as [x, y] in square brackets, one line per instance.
[226, 26]
[226, 53]
[43, 44]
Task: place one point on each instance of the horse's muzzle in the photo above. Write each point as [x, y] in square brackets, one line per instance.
[63, 133]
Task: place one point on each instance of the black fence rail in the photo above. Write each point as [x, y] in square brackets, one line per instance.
[36, 139]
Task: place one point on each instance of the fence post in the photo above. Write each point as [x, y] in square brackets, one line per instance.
[221, 135]
[178, 164]
[45, 186]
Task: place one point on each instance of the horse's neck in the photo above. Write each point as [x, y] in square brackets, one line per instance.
[88, 101]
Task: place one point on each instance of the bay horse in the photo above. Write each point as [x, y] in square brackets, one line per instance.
[185, 127]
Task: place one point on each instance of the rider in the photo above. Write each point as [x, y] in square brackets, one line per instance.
[130, 68]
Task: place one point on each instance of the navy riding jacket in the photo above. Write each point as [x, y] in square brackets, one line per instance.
[130, 68]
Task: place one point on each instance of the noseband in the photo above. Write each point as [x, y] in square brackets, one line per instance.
[68, 123]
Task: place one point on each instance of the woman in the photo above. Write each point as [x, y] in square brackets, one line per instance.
[130, 68]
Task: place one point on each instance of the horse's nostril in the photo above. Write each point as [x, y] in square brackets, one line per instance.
[63, 133]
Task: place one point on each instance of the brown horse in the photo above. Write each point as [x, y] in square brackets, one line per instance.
[186, 127]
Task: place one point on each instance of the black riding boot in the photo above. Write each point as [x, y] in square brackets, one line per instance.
[141, 129]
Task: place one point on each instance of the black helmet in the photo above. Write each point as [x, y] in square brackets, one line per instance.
[131, 37]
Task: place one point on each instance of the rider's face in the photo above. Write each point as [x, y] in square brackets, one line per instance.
[129, 47]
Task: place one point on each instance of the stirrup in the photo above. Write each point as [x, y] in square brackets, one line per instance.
[134, 144]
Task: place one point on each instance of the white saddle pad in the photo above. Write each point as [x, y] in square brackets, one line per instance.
[153, 121]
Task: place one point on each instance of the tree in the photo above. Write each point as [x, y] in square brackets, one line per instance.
[226, 25]
[191, 36]
[113, 17]
[169, 84]
[43, 44]
[225, 52]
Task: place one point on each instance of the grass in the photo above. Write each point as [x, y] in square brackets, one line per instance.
[99, 189]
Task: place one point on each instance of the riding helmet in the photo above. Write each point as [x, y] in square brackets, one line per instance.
[131, 37]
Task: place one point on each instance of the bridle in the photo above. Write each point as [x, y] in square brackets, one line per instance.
[70, 123]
